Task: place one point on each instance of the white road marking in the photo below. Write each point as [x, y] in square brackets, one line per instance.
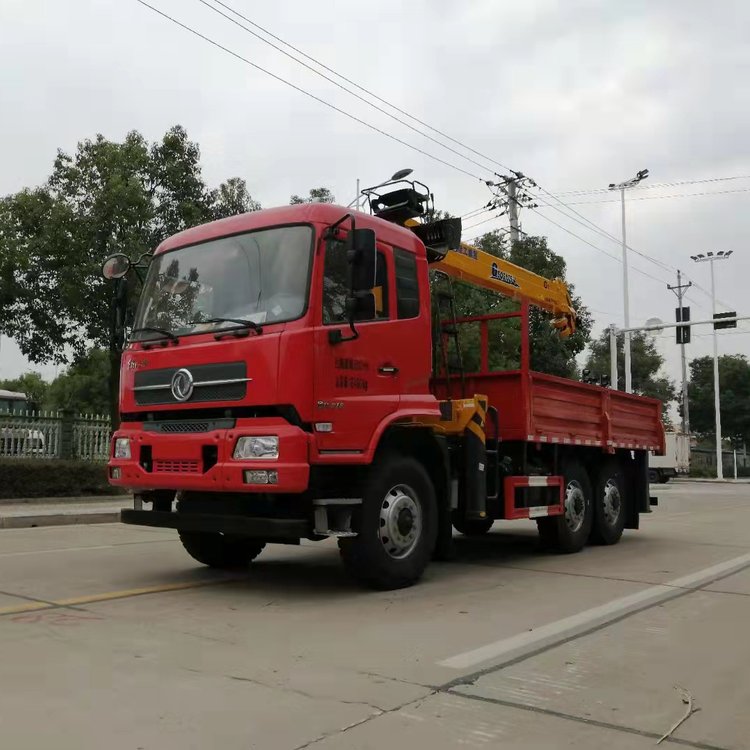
[517, 645]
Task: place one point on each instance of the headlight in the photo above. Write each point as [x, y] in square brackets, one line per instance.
[248, 448]
[122, 448]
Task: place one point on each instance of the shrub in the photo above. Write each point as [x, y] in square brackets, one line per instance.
[24, 478]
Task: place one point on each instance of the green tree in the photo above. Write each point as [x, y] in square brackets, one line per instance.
[232, 198]
[32, 384]
[316, 195]
[107, 197]
[83, 386]
[645, 367]
[734, 387]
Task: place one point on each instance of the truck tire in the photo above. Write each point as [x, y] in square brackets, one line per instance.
[396, 525]
[471, 526]
[570, 531]
[653, 476]
[609, 504]
[220, 550]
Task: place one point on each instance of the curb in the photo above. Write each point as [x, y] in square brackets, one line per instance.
[58, 519]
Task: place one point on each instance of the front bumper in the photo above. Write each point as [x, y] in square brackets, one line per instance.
[260, 528]
[202, 461]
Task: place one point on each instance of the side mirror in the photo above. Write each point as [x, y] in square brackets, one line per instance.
[116, 266]
[362, 256]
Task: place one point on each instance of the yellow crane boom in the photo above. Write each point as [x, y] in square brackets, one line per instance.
[476, 267]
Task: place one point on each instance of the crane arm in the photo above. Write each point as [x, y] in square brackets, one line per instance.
[476, 267]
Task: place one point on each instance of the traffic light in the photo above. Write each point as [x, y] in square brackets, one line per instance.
[729, 324]
[682, 333]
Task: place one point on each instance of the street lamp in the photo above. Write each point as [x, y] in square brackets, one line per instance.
[399, 175]
[710, 258]
[622, 186]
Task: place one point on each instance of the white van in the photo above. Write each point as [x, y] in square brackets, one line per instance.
[675, 461]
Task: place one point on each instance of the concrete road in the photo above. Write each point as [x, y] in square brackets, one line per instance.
[110, 636]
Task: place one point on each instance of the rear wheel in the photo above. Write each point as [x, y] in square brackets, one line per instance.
[220, 550]
[569, 532]
[396, 526]
[471, 526]
[609, 504]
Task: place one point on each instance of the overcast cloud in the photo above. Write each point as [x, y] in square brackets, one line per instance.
[576, 94]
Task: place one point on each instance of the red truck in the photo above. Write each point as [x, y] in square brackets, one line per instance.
[296, 373]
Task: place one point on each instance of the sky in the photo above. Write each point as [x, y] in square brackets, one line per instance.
[576, 94]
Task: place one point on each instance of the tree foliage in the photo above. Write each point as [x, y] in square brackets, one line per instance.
[107, 197]
[315, 195]
[734, 389]
[83, 386]
[645, 366]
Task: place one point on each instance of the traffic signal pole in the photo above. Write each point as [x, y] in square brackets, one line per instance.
[681, 338]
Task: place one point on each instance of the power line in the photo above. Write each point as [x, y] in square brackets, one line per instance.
[603, 232]
[596, 247]
[362, 88]
[702, 194]
[657, 185]
[307, 93]
[331, 80]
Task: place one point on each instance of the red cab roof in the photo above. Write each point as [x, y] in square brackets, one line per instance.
[304, 213]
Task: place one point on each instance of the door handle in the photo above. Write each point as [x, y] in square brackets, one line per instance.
[388, 370]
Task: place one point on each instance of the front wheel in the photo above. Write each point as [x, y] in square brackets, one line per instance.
[569, 532]
[396, 526]
[220, 550]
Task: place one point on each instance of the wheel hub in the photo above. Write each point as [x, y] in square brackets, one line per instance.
[575, 505]
[612, 502]
[400, 521]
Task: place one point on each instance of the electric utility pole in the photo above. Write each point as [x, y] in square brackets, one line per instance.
[510, 190]
[683, 337]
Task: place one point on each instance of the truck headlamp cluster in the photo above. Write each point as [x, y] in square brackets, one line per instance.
[122, 448]
[256, 447]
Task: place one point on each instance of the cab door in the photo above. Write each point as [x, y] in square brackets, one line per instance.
[357, 381]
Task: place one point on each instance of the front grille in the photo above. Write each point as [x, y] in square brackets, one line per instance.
[185, 427]
[176, 466]
[200, 373]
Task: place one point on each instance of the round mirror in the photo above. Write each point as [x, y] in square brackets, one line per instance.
[116, 266]
[655, 324]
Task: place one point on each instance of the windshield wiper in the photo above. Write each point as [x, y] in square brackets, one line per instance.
[240, 329]
[165, 334]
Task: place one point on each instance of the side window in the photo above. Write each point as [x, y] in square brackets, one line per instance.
[336, 285]
[407, 284]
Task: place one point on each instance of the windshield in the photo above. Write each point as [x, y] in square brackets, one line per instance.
[260, 276]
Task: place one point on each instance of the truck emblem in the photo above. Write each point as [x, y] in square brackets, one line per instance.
[182, 385]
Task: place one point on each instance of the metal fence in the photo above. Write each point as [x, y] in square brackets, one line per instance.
[49, 435]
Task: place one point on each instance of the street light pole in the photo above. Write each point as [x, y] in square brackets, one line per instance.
[621, 186]
[626, 299]
[710, 258]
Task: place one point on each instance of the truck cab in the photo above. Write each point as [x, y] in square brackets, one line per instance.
[242, 370]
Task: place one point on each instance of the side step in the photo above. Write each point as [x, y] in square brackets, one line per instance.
[533, 497]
